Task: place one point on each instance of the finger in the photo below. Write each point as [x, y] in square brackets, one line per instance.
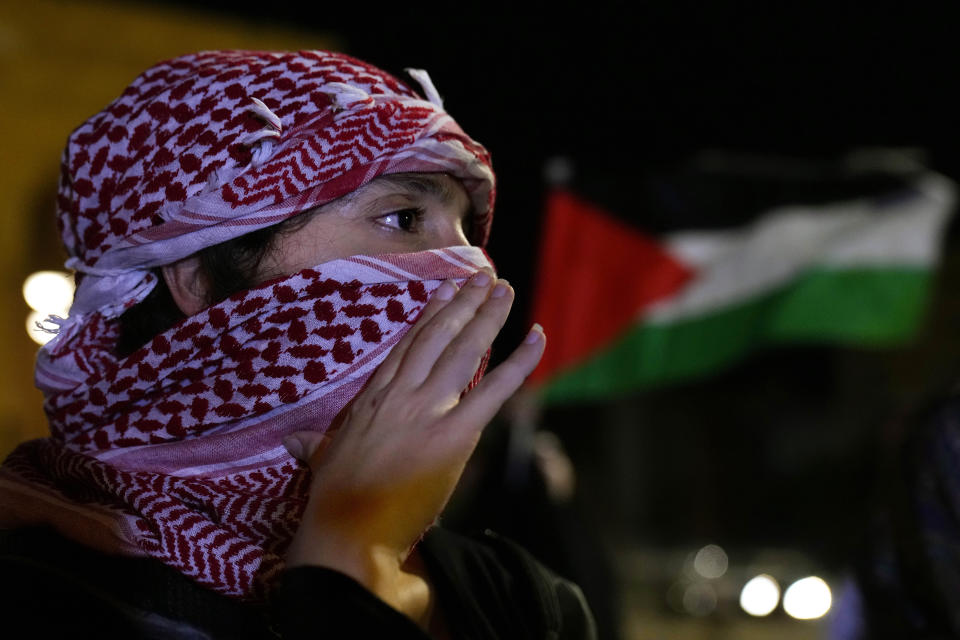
[479, 406]
[307, 446]
[385, 372]
[436, 334]
[458, 363]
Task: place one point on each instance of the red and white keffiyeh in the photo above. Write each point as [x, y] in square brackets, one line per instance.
[175, 451]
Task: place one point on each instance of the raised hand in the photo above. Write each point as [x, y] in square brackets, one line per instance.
[403, 442]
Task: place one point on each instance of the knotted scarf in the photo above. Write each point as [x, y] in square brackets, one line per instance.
[175, 451]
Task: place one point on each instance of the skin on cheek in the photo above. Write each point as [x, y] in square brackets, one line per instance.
[319, 241]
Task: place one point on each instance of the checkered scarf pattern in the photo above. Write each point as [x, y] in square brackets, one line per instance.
[175, 451]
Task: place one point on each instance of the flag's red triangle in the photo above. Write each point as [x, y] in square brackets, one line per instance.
[594, 276]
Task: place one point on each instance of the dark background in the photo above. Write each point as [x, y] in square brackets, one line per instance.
[630, 91]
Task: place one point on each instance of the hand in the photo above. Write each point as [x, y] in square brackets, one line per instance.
[404, 440]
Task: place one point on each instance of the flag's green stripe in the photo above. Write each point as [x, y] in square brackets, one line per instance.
[877, 307]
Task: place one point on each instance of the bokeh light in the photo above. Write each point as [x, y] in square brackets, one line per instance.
[711, 561]
[36, 320]
[47, 293]
[699, 599]
[807, 599]
[759, 597]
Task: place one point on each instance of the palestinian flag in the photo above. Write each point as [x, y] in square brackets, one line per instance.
[623, 310]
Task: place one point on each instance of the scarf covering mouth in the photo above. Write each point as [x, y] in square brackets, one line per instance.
[175, 452]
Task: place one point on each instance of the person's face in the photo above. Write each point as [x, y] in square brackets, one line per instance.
[392, 214]
[398, 213]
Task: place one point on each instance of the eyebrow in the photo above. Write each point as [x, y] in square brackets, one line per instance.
[425, 183]
[420, 184]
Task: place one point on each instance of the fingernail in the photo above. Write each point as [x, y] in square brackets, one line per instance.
[500, 290]
[480, 279]
[536, 332]
[446, 290]
[293, 447]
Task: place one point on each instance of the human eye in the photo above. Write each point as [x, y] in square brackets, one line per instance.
[408, 220]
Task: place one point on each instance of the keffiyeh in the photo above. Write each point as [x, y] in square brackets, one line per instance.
[175, 450]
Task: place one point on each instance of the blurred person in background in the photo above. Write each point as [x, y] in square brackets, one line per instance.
[270, 379]
[907, 577]
[522, 483]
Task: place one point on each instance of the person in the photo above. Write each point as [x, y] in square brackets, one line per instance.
[906, 574]
[271, 376]
[521, 483]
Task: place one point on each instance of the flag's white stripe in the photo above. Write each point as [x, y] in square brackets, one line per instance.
[734, 266]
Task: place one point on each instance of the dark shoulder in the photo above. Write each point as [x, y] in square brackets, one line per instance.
[487, 581]
[57, 585]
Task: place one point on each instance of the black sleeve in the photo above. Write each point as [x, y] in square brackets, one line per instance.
[578, 620]
[572, 617]
[58, 588]
[311, 602]
[492, 588]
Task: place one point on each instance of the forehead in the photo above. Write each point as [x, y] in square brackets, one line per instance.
[439, 186]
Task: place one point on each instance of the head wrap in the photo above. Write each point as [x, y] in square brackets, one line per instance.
[175, 451]
[208, 147]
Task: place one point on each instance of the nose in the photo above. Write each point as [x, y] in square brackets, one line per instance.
[449, 234]
[457, 235]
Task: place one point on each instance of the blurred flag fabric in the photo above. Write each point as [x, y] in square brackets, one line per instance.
[623, 310]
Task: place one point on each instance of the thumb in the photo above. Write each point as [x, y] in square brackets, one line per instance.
[305, 445]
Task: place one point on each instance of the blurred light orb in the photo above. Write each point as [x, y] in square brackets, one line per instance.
[674, 597]
[699, 599]
[49, 292]
[37, 334]
[807, 599]
[558, 170]
[711, 561]
[759, 597]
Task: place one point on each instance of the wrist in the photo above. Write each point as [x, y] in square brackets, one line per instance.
[366, 562]
[376, 567]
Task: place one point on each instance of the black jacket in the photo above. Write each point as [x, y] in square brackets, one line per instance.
[487, 586]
